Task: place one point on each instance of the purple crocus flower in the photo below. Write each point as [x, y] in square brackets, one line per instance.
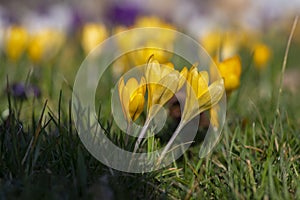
[34, 91]
[21, 91]
[77, 19]
[123, 14]
[18, 90]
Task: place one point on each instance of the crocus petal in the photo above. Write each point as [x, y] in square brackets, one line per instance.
[125, 101]
[183, 77]
[166, 69]
[200, 96]
[166, 88]
[230, 69]
[132, 97]
[142, 88]
[121, 86]
[136, 106]
[212, 96]
[132, 85]
[202, 83]
[153, 72]
[194, 81]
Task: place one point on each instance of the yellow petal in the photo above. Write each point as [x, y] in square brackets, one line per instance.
[166, 69]
[202, 83]
[204, 76]
[16, 42]
[125, 102]
[170, 65]
[132, 85]
[166, 88]
[136, 106]
[92, 35]
[153, 71]
[236, 63]
[132, 97]
[189, 80]
[121, 86]
[262, 54]
[232, 82]
[142, 86]
[120, 90]
[231, 65]
[194, 81]
[230, 69]
[212, 95]
[183, 77]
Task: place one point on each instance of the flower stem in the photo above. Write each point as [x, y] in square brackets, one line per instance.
[171, 141]
[142, 134]
[127, 133]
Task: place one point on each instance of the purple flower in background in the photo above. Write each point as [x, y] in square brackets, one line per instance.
[21, 91]
[34, 91]
[121, 14]
[18, 90]
[76, 20]
[6, 17]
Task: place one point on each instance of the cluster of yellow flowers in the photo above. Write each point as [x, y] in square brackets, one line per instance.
[228, 43]
[40, 45]
[162, 82]
[226, 46]
[44, 44]
[155, 44]
[92, 35]
[95, 33]
[230, 67]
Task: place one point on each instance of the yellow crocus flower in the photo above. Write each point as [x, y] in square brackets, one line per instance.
[146, 43]
[159, 41]
[231, 69]
[261, 56]
[132, 97]
[226, 43]
[45, 44]
[211, 41]
[16, 42]
[160, 55]
[163, 81]
[200, 95]
[92, 35]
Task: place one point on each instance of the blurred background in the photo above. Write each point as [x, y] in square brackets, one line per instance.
[49, 39]
[61, 33]
[196, 17]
